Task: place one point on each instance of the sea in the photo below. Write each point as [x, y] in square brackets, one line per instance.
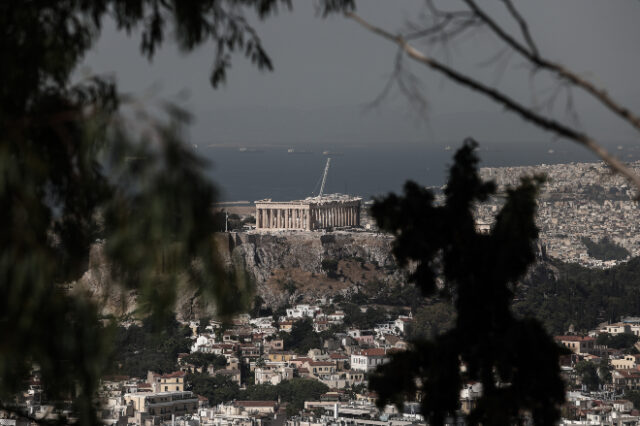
[282, 172]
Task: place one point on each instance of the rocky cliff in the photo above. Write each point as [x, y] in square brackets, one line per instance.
[286, 267]
[305, 265]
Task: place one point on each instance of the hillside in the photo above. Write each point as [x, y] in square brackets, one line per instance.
[286, 267]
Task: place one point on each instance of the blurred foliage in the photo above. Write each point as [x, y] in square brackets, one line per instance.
[514, 359]
[149, 347]
[74, 168]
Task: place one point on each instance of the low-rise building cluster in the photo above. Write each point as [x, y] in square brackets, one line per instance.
[577, 200]
[252, 351]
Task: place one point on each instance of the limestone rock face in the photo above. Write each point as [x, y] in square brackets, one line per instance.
[289, 266]
[261, 254]
[286, 267]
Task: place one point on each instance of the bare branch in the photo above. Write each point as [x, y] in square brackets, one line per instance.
[502, 99]
[598, 93]
[524, 27]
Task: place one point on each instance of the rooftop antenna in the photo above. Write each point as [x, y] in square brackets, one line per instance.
[324, 177]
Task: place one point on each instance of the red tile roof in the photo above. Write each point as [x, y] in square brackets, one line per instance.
[338, 356]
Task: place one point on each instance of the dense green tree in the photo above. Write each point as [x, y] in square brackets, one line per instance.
[302, 337]
[514, 359]
[580, 296]
[294, 392]
[432, 320]
[634, 397]
[605, 249]
[330, 266]
[149, 347]
[354, 317]
[203, 360]
[588, 373]
[617, 341]
[217, 388]
[604, 370]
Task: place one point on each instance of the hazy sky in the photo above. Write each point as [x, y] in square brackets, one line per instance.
[328, 70]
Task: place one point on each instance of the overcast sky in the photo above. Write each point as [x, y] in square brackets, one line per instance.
[328, 70]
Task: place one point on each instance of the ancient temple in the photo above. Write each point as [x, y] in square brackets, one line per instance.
[328, 211]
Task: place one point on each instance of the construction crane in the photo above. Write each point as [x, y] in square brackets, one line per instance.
[324, 177]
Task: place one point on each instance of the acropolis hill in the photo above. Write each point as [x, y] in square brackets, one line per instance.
[578, 200]
[284, 265]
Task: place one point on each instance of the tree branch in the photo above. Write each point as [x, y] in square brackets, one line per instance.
[524, 27]
[532, 55]
[509, 103]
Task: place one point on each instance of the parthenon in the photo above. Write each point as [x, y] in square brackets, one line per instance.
[309, 214]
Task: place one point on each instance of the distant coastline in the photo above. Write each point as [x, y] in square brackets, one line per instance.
[273, 172]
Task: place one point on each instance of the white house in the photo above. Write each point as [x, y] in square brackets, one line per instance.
[368, 359]
[301, 311]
